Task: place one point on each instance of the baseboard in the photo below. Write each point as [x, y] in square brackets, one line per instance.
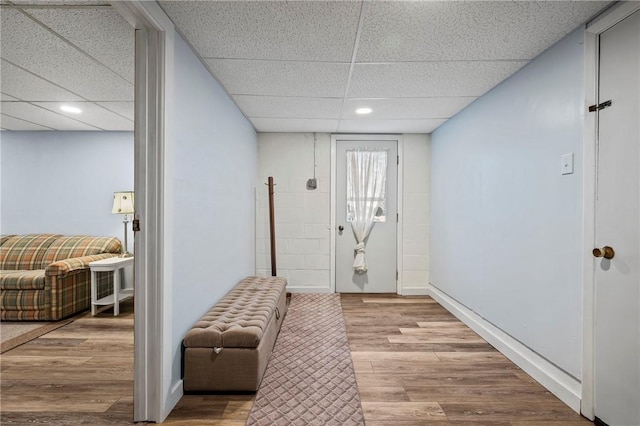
[176, 393]
[406, 291]
[300, 289]
[557, 381]
[415, 291]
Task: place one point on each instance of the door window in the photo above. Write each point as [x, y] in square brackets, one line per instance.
[367, 183]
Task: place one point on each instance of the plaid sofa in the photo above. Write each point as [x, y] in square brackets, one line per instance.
[46, 277]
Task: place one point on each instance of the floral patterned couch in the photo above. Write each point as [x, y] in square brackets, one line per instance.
[46, 277]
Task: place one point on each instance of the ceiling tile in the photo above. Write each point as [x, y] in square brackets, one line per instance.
[390, 126]
[5, 97]
[11, 123]
[470, 30]
[305, 79]
[429, 79]
[405, 108]
[125, 109]
[294, 125]
[28, 87]
[28, 112]
[102, 33]
[32, 47]
[278, 30]
[271, 106]
[92, 114]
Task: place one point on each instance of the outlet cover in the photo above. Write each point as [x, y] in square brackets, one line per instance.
[566, 162]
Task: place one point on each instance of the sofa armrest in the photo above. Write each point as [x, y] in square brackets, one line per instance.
[67, 266]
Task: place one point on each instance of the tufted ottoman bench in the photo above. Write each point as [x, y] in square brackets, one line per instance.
[229, 347]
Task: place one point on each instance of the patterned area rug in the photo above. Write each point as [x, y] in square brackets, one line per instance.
[310, 378]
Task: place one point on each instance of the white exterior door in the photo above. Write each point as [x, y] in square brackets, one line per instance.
[617, 280]
[380, 247]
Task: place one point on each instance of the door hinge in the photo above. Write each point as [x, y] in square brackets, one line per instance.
[397, 159]
[397, 217]
[598, 107]
[135, 225]
[397, 275]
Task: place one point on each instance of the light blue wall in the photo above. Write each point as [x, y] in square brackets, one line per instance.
[63, 182]
[506, 226]
[214, 174]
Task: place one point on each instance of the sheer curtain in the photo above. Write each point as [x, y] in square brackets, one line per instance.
[366, 196]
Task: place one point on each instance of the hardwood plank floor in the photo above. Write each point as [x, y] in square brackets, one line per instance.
[415, 364]
[81, 373]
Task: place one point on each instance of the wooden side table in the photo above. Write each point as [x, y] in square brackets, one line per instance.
[115, 265]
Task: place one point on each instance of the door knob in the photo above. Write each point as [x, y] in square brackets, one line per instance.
[606, 252]
[340, 228]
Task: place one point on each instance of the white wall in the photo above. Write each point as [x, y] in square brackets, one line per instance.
[303, 216]
[63, 182]
[213, 173]
[505, 224]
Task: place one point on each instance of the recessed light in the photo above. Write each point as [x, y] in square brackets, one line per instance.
[71, 109]
[363, 111]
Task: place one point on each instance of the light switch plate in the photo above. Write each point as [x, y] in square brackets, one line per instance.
[567, 163]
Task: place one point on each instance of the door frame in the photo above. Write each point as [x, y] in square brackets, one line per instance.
[354, 138]
[152, 267]
[593, 29]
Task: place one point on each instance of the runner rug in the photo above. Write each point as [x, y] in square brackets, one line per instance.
[310, 378]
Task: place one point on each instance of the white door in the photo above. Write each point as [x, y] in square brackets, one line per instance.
[617, 291]
[380, 246]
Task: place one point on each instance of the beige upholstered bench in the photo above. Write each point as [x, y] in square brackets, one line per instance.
[229, 347]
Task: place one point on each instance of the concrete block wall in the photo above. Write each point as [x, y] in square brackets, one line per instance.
[303, 216]
[415, 214]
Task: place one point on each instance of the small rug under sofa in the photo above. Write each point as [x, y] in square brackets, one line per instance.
[16, 333]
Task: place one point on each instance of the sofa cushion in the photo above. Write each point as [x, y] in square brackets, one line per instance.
[24, 252]
[78, 246]
[22, 280]
[23, 304]
[240, 318]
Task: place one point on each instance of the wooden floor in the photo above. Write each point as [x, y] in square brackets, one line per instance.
[81, 373]
[415, 364]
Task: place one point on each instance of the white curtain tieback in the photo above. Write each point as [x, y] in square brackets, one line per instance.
[360, 261]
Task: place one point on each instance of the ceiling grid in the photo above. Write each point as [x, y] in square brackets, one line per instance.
[301, 66]
[78, 54]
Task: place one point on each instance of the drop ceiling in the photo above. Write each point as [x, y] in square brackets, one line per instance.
[289, 66]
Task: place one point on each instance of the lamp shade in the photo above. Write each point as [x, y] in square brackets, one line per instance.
[123, 202]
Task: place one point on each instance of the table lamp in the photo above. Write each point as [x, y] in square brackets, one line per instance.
[123, 204]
